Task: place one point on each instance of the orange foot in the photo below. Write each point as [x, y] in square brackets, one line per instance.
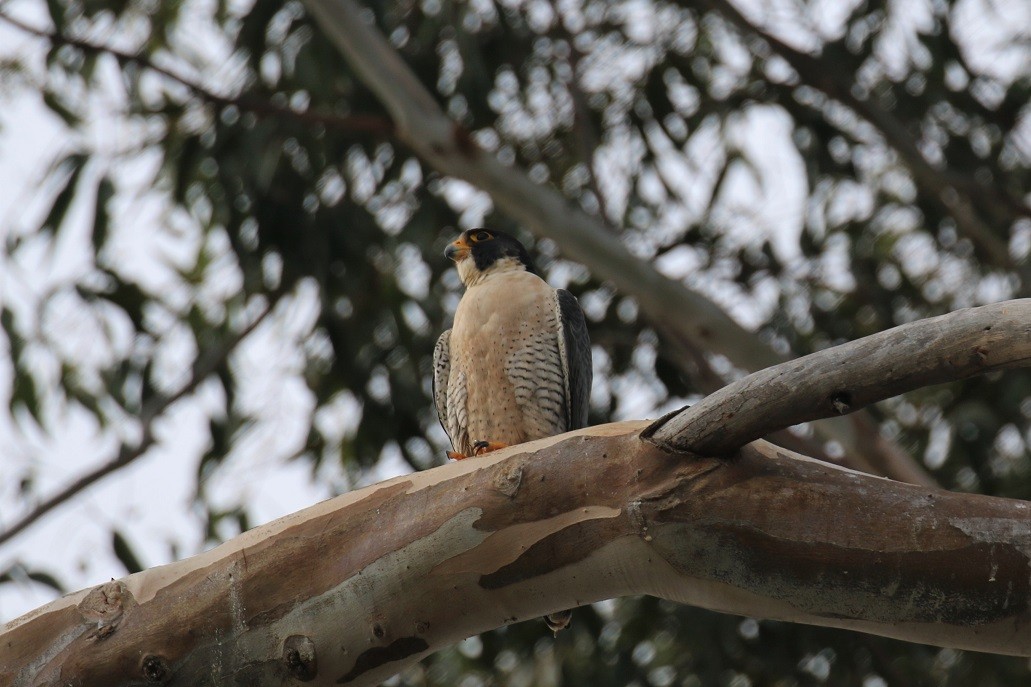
[479, 448]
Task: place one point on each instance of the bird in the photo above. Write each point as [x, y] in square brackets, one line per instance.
[516, 363]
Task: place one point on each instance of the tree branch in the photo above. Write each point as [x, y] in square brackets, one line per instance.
[207, 362]
[352, 590]
[691, 318]
[707, 380]
[845, 378]
[365, 124]
[585, 138]
[956, 199]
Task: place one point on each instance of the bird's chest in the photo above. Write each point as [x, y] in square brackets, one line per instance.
[500, 320]
[504, 336]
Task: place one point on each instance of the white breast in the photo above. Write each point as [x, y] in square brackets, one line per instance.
[506, 382]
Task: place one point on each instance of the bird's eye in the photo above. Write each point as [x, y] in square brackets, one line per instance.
[482, 236]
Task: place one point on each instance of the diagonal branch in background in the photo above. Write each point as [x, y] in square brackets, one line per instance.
[691, 319]
[848, 377]
[568, 520]
[941, 186]
[585, 137]
[208, 361]
[363, 124]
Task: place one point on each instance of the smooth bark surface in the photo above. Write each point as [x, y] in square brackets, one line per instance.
[687, 319]
[354, 589]
[845, 378]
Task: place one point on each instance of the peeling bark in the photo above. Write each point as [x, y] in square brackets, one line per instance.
[354, 589]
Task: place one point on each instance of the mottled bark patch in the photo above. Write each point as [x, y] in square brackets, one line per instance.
[567, 546]
[888, 586]
[373, 658]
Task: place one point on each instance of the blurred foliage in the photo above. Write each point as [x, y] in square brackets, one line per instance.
[281, 178]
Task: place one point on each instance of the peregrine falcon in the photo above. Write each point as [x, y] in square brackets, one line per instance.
[516, 364]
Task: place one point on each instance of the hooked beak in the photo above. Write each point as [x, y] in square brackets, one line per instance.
[457, 250]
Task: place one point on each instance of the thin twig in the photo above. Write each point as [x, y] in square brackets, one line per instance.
[365, 124]
[206, 363]
[957, 200]
[584, 135]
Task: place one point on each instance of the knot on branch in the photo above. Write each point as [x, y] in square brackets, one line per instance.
[154, 668]
[299, 657]
[106, 605]
[842, 402]
[508, 481]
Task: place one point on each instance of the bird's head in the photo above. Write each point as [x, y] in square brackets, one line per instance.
[478, 252]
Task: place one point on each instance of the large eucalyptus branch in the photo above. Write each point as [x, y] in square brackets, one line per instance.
[690, 321]
[354, 589]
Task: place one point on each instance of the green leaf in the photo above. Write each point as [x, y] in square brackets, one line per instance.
[101, 217]
[185, 167]
[24, 394]
[46, 579]
[71, 167]
[15, 341]
[53, 101]
[56, 10]
[220, 437]
[125, 553]
[18, 572]
[253, 28]
[127, 296]
[238, 516]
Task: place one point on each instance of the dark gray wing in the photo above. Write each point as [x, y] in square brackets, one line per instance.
[441, 372]
[577, 358]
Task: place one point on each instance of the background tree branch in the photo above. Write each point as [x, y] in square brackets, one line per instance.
[363, 124]
[206, 364]
[846, 378]
[957, 193]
